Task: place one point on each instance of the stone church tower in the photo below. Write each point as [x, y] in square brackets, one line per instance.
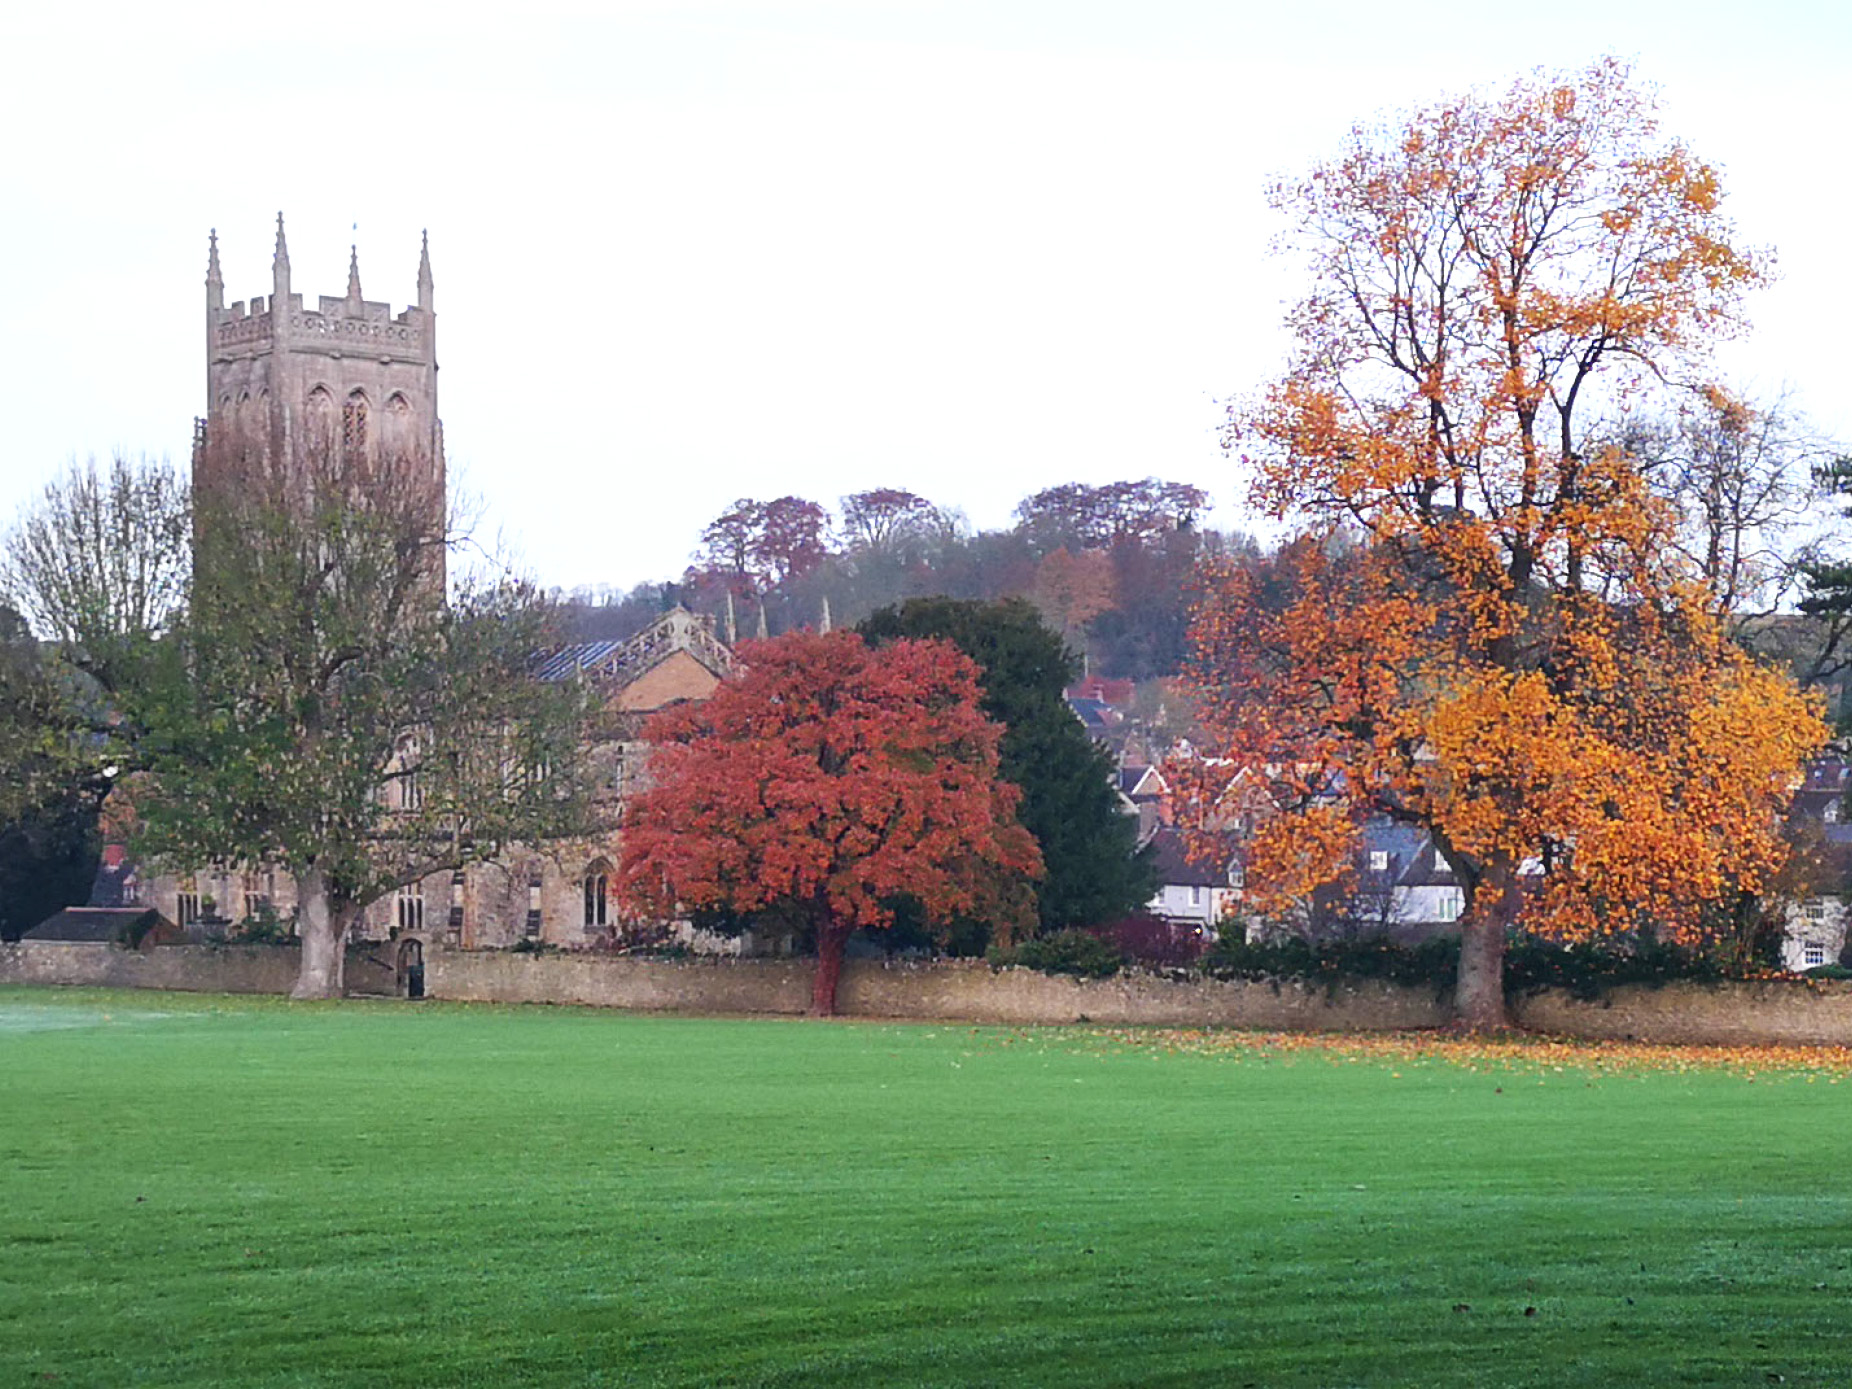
[344, 386]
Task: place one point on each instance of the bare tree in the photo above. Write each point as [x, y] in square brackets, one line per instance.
[99, 563]
[1742, 479]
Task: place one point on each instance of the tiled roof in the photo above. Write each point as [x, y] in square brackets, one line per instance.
[570, 660]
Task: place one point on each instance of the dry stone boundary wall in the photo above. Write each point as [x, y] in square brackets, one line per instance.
[967, 991]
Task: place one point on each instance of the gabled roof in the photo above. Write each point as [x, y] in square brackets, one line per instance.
[1413, 859]
[1170, 855]
[1146, 782]
[622, 662]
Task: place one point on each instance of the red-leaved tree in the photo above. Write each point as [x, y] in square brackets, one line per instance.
[826, 784]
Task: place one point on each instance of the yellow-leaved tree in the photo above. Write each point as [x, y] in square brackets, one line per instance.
[1484, 628]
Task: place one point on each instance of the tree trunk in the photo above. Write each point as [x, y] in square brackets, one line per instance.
[1479, 996]
[831, 938]
[323, 928]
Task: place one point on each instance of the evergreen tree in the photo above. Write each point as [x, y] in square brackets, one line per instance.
[1095, 870]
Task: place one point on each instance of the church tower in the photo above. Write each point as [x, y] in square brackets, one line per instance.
[346, 385]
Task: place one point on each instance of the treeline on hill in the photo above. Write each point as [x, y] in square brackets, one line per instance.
[1107, 567]
[1113, 569]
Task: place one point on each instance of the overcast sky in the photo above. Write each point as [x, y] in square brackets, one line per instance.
[688, 252]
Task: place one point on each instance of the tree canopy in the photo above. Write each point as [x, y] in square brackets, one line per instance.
[1509, 649]
[323, 708]
[826, 785]
[1094, 870]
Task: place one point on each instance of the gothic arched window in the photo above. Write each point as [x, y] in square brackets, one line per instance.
[354, 427]
[597, 885]
[319, 417]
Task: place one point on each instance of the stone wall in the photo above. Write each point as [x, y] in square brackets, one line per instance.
[230, 969]
[1811, 1013]
[219, 969]
[1817, 1013]
[969, 991]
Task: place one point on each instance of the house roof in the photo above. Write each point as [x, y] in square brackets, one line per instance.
[97, 925]
[1146, 782]
[1170, 855]
[1413, 860]
[1104, 689]
[621, 663]
[579, 656]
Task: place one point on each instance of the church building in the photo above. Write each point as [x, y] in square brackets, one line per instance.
[350, 385]
[347, 385]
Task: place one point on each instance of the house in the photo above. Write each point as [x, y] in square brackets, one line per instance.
[1144, 793]
[1814, 931]
[1192, 890]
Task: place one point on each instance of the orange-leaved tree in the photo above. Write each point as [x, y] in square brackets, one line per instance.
[827, 784]
[1484, 628]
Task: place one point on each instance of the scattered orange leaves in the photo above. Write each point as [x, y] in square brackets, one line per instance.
[1533, 1055]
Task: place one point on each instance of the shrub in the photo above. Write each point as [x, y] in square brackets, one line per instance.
[264, 927]
[1587, 970]
[1434, 963]
[1065, 952]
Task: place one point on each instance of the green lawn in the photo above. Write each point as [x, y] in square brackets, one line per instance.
[203, 1190]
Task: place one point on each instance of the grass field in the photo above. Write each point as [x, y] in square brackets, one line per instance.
[204, 1190]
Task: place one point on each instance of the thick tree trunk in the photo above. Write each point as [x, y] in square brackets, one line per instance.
[323, 928]
[831, 938]
[1479, 996]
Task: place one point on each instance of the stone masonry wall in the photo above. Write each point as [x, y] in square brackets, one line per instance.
[231, 969]
[1818, 1013]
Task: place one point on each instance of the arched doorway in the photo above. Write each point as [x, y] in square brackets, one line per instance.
[411, 969]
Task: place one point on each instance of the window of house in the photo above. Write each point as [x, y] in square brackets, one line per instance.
[456, 899]
[533, 905]
[1813, 953]
[1451, 904]
[1814, 909]
[411, 907]
[1196, 897]
[1379, 860]
[253, 893]
[186, 901]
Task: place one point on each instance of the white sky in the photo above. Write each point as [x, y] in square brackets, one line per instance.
[690, 252]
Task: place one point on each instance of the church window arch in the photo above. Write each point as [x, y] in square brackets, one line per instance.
[319, 414]
[410, 759]
[354, 426]
[597, 891]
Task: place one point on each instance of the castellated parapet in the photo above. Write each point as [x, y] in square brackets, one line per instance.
[347, 382]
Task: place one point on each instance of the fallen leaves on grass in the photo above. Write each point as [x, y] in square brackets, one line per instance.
[1543, 1056]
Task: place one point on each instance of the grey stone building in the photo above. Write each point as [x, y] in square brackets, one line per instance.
[346, 385]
